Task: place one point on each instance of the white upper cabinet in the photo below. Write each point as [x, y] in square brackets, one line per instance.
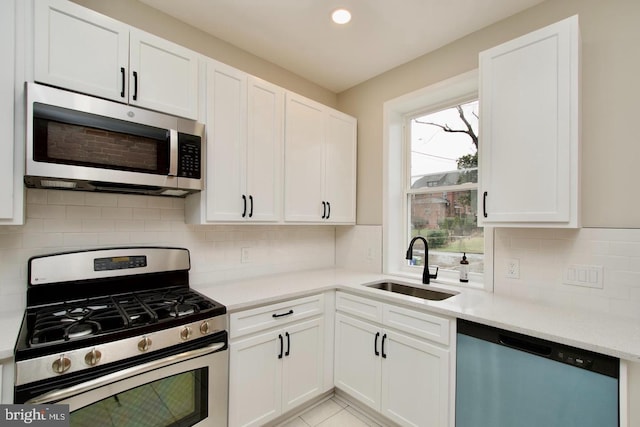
[163, 76]
[85, 51]
[530, 130]
[320, 163]
[79, 49]
[11, 145]
[244, 149]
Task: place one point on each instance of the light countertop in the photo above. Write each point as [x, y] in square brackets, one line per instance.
[10, 324]
[590, 330]
[595, 331]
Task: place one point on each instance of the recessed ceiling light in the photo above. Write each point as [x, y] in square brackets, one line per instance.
[341, 16]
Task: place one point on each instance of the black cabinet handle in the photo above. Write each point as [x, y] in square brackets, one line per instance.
[122, 73]
[281, 346]
[484, 204]
[135, 85]
[328, 210]
[375, 345]
[251, 208]
[244, 206]
[384, 355]
[274, 315]
[324, 210]
[286, 334]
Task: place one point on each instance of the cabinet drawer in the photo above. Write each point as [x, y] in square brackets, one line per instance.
[275, 315]
[428, 326]
[359, 306]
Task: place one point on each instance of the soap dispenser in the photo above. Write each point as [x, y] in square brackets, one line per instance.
[464, 268]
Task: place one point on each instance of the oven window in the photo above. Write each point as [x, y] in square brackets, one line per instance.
[179, 400]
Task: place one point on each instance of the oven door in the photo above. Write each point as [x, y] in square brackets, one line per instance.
[188, 389]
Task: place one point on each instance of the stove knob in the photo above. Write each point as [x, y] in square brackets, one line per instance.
[93, 357]
[205, 328]
[185, 333]
[144, 344]
[61, 365]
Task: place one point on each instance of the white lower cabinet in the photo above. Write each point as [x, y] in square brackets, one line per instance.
[277, 369]
[397, 372]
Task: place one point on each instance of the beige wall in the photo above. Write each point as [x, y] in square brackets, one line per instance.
[610, 92]
[148, 19]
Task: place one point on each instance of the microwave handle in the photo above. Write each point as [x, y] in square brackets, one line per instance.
[60, 394]
[173, 152]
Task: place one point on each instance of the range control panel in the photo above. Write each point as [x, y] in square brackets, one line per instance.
[119, 262]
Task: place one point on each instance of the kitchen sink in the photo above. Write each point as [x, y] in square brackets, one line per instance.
[414, 291]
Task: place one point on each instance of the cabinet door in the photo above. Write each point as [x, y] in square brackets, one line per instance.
[415, 381]
[79, 49]
[303, 363]
[304, 162]
[164, 76]
[529, 128]
[357, 359]
[226, 143]
[265, 150]
[255, 380]
[340, 167]
[7, 52]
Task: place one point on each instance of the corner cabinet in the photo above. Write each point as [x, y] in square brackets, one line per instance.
[79, 49]
[530, 130]
[276, 359]
[320, 163]
[244, 124]
[395, 360]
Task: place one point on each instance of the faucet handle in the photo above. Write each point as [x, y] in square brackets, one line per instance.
[433, 275]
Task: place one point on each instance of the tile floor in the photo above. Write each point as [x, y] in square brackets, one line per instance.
[332, 413]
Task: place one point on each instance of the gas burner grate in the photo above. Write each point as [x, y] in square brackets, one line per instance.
[175, 302]
[74, 320]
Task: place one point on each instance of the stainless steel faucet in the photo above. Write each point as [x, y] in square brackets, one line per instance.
[425, 273]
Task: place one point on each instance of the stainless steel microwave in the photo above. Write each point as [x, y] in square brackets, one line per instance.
[78, 142]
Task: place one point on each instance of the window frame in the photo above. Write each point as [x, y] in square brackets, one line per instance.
[396, 164]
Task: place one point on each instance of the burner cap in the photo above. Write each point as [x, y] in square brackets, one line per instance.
[182, 310]
[80, 330]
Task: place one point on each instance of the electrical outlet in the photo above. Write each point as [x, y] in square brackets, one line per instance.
[245, 255]
[513, 268]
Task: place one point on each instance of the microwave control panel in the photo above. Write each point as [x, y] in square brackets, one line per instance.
[189, 156]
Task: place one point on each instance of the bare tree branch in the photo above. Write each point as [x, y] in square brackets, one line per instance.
[469, 131]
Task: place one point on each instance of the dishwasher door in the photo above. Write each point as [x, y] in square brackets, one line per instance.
[505, 379]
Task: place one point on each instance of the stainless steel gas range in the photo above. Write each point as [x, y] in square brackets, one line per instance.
[119, 336]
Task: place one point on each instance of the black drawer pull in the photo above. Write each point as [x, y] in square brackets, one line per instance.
[384, 355]
[244, 204]
[135, 85]
[281, 346]
[375, 345]
[122, 72]
[274, 315]
[286, 334]
[484, 204]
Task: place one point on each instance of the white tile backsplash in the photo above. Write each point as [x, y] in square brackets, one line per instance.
[545, 254]
[62, 221]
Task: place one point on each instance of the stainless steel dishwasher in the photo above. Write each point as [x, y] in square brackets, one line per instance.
[505, 379]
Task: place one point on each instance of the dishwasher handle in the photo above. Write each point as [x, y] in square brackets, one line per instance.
[529, 347]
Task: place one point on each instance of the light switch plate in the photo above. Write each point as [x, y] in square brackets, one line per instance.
[590, 276]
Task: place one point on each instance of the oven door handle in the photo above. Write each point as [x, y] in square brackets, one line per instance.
[57, 395]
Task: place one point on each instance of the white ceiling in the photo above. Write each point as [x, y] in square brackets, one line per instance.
[298, 34]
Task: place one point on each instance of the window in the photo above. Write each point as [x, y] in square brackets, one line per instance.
[441, 186]
[433, 191]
